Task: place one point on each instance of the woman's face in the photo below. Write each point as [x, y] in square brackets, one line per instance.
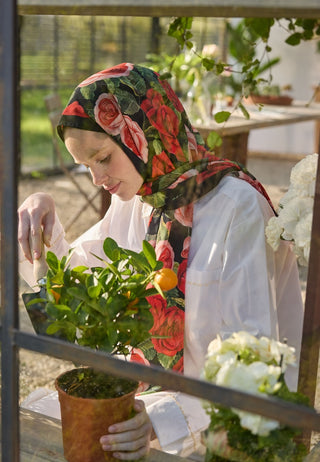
[108, 164]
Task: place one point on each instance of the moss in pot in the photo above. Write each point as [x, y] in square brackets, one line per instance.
[105, 308]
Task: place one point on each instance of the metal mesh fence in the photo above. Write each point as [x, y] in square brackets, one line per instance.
[57, 52]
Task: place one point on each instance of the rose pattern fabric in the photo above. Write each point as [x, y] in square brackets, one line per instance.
[144, 116]
[116, 71]
[108, 115]
[133, 137]
[168, 324]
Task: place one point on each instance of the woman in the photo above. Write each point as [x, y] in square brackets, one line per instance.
[206, 218]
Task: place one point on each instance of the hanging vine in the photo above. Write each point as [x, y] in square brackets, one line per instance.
[244, 38]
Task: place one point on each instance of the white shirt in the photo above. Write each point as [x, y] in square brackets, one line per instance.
[235, 281]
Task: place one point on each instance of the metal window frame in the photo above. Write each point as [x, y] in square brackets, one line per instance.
[11, 337]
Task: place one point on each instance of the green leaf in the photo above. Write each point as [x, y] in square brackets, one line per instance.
[220, 68]
[165, 76]
[309, 24]
[128, 103]
[67, 328]
[58, 311]
[307, 34]
[166, 361]
[110, 340]
[222, 116]
[179, 28]
[36, 300]
[260, 26]
[111, 249]
[94, 291]
[214, 140]
[244, 111]
[139, 261]
[115, 304]
[79, 269]
[150, 253]
[208, 63]
[52, 261]
[88, 92]
[156, 285]
[294, 39]
[77, 292]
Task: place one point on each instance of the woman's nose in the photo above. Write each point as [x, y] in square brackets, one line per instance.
[97, 177]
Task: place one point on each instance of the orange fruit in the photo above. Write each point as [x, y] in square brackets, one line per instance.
[166, 278]
[56, 295]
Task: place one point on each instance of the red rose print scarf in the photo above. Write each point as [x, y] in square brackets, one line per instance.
[144, 116]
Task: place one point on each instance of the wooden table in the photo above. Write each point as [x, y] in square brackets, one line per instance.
[235, 132]
[41, 441]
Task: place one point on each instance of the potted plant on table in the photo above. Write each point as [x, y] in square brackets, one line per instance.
[270, 94]
[105, 308]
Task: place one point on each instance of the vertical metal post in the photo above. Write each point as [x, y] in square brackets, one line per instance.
[56, 67]
[8, 184]
[311, 327]
[92, 57]
[56, 54]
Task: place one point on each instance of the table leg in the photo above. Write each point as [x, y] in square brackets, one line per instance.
[235, 147]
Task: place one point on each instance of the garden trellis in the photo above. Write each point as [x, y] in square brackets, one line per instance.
[12, 338]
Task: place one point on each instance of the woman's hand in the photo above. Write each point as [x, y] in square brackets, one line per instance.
[130, 439]
[36, 219]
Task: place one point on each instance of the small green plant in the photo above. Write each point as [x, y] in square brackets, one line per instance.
[103, 307]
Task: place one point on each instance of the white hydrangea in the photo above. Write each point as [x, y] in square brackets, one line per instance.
[303, 175]
[256, 424]
[247, 363]
[273, 232]
[294, 220]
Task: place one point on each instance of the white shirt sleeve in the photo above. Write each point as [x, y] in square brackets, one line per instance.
[235, 281]
[126, 222]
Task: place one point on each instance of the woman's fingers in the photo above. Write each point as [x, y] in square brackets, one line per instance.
[129, 439]
[36, 219]
[143, 451]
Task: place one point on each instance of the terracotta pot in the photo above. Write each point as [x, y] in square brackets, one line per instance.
[85, 420]
[281, 100]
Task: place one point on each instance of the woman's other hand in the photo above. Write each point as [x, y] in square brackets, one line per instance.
[36, 219]
[130, 439]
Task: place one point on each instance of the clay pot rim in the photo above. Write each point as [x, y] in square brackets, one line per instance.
[100, 400]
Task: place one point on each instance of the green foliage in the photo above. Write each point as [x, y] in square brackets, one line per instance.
[103, 307]
[303, 30]
[183, 68]
[279, 445]
[244, 76]
[214, 140]
[36, 132]
[180, 29]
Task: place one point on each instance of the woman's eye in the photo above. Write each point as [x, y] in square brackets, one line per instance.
[104, 160]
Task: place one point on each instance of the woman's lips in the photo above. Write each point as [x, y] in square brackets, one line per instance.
[112, 189]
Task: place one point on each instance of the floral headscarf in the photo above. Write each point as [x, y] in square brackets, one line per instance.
[143, 115]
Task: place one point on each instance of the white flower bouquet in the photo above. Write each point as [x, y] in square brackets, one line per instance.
[257, 366]
[294, 220]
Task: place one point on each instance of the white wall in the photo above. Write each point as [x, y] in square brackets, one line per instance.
[299, 67]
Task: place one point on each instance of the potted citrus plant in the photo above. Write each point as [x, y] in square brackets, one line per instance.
[105, 308]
